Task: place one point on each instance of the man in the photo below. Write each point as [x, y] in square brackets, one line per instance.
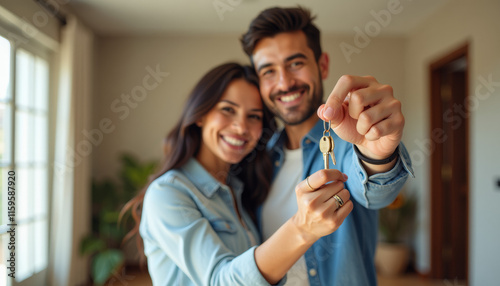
[367, 123]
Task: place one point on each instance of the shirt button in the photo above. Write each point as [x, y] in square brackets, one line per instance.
[277, 163]
[308, 141]
[312, 272]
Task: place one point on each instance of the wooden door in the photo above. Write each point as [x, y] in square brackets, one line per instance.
[449, 166]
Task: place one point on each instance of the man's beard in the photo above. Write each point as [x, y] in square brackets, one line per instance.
[312, 105]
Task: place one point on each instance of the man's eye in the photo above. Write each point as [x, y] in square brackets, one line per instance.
[296, 64]
[267, 72]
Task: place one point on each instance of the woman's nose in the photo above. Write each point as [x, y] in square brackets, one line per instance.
[241, 125]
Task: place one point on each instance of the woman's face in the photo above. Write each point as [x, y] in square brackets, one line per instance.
[232, 128]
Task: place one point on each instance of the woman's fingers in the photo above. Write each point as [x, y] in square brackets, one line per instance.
[320, 178]
[343, 197]
[319, 200]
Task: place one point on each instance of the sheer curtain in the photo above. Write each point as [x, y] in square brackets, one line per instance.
[71, 188]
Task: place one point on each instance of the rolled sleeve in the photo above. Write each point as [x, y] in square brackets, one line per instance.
[379, 190]
[244, 271]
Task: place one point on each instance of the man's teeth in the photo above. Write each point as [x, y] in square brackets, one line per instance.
[288, 98]
[234, 141]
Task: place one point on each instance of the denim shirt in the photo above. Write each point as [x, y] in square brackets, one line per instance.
[346, 257]
[192, 234]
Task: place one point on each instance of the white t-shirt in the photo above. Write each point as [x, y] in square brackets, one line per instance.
[282, 197]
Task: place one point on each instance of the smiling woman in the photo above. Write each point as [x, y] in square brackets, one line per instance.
[198, 196]
[233, 127]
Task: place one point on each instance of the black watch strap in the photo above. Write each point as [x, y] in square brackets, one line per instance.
[376, 162]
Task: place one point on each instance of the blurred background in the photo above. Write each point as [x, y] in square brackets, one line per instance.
[89, 89]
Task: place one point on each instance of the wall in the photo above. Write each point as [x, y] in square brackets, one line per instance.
[478, 23]
[120, 68]
[35, 16]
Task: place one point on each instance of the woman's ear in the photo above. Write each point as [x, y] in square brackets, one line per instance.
[200, 121]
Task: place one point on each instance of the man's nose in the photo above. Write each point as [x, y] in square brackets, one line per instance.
[285, 80]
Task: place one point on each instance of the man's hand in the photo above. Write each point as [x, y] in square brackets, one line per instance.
[364, 112]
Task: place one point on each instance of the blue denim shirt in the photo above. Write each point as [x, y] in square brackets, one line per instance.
[192, 234]
[346, 257]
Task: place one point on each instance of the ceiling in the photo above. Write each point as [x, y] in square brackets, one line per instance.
[131, 17]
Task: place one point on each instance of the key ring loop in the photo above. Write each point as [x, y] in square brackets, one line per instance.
[329, 125]
[324, 126]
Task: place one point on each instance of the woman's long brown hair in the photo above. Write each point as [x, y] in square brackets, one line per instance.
[184, 141]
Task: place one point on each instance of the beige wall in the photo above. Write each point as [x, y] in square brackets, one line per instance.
[478, 23]
[121, 68]
[36, 16]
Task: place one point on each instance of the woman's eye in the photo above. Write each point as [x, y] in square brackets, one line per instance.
[227, 109]
[256, 117]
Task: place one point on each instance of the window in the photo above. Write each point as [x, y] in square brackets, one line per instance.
[24, 138]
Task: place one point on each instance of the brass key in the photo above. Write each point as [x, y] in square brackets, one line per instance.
[326, 146]
[332, 155]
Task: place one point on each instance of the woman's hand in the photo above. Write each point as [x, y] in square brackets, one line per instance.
[319, 212]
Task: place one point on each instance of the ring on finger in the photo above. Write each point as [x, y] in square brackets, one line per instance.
[339, 200]
[309, 185]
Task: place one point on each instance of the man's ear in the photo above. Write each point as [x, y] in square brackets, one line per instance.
[323, 65]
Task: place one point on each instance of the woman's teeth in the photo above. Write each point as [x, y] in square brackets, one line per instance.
[233, 141]
[289, 98]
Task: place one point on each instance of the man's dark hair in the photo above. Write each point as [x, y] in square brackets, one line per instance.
[273, 21]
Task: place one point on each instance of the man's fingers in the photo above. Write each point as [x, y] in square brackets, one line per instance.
[380, 120]
[320, 178]
[333, 109]
[363, 99]
[372, 116]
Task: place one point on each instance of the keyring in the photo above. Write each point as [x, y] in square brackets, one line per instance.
[326, 130]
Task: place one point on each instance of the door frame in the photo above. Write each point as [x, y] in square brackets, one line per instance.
[436, 194]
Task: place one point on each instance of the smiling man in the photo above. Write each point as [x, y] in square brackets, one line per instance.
[367, 122]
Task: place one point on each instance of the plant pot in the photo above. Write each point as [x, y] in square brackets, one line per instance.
[391, 259]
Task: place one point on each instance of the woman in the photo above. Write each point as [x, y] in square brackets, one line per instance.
[198, 214]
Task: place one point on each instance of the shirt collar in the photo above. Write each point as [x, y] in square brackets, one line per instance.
[313, 133]
[205, 182]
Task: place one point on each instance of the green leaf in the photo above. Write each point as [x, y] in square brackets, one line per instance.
[105, 263]
[91, 244]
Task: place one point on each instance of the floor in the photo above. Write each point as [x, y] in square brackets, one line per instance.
[135, 277]
[415, 280]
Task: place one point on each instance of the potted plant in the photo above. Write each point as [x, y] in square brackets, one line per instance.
[108, 197]
[395, 225]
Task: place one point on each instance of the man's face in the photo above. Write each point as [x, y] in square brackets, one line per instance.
[290, 78]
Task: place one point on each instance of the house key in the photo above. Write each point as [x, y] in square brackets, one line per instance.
[326, 146]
